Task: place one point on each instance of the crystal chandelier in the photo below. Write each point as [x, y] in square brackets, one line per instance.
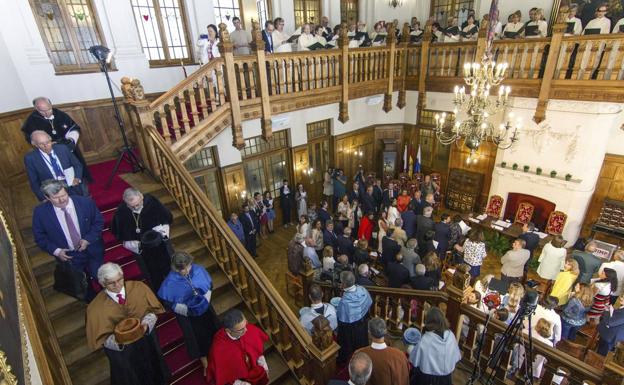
[479, 107]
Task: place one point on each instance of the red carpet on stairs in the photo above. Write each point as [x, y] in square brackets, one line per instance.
[184, 370]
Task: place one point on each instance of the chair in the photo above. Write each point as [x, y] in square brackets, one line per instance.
[556, 222]
[495, 206]
[524, 212]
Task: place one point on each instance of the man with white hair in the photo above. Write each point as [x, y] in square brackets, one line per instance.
[294, 254]
[52, 161]
[360, 370]
[135, 362]
[60, 126]
[135, 216]
[424, 223]
[363, 276]
[589, 264]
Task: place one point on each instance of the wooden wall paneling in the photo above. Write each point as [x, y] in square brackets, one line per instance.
[610, 185]
[346, 146]
[486, 159]
[234, 185]
[391, 132]
[13, 147]
[300, 164]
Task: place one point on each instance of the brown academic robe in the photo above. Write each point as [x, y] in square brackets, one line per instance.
[390, 366]
[103, 313]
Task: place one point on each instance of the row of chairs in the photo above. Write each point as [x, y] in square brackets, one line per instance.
[554, 226]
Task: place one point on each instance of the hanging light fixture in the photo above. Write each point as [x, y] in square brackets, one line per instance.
[479, 106]
[395, 3]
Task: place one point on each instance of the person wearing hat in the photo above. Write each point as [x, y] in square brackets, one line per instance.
[316, 308]
[411, 339]
[187, 290]
[121, 319]
[237, 353]
[134, 218]
[390, 365]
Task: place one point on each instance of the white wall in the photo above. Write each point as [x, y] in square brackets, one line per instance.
[361, 114]
[372, 11]
[13, 95]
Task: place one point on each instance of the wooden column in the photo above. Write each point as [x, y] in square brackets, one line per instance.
[482, 38]
[226, 48]
[549, 70]
[257, 45]
[405, 38]
[343, 43]
[422, 70]
[391, 44]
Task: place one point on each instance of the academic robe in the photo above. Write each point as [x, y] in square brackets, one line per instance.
[230, 360]
[57, 128]
[352, 312]
[139, 363]
[154, 262]
[201, 322]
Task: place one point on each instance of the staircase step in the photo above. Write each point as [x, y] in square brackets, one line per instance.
[91, 370]
[58, 302]
[277, 366]
[132, 271]
[193, 377]
[108, 217]
[178, 361]
[118, 254]
[70, 322]
[169, 334]
[226, 301]
[109, 239]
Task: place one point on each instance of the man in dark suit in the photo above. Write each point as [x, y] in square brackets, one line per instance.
[344, 244]
[610, 330]
[424, 223]
[355, 192]
[249, 228]
[323, 215]
[530, 238]
[443, 235]
[52, 161]
[368, 201]
[267, 36]
[377, 193]
[409, 223]
[286, 197]
[388, 195]
[363, 276]
[389, 246]
[417, 204]
[360, 370]
[329, 236]
[69, 228]
[589, 264]
[397, 274]
[421, 281]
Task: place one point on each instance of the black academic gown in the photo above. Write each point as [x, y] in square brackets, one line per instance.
[139, 363]
[155, 262]
[57, 128]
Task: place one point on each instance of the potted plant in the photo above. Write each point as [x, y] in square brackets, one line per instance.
[496, 243]
[568, 177]
[553, 174]
[503, 164]
[538, 171]
[526, 168]
[515, 166]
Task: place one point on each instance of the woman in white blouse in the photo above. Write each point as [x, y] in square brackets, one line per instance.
[393, 213]
[512, 28]
[474, 251]
[552, 259]
[600, 22]
[343, 211]
[306, 39]
[577, 29]
[537, 19]
[208, 46]
[471, 31]
[280, 37]
[318, 35]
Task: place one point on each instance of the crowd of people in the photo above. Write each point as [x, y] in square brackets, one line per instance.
[583, 19]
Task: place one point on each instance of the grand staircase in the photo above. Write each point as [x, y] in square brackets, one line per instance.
[67, 315]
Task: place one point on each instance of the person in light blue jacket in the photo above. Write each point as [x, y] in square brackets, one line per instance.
[352, 316]
[437, 354]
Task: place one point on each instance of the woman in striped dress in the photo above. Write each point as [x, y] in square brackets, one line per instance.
[603, 287]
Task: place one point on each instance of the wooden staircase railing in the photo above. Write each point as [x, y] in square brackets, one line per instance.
[310, 364]
[43, 341]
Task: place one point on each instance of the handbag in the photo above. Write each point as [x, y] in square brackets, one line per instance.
[70, 281]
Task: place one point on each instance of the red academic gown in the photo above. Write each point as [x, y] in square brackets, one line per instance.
[227, 358]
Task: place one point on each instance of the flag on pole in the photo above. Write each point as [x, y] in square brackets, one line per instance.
[405, 159]
[417, 163]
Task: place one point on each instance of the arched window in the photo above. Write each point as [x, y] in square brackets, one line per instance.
[68, 28]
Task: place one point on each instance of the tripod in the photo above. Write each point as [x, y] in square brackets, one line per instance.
[100, 53]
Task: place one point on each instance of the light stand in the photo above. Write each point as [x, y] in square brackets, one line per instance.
[103, 56]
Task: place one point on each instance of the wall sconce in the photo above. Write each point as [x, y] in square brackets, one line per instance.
[472, 159]
[395, 3]
[358, 153]
[308, 171]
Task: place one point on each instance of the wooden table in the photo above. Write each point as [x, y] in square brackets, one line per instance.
[512, 231]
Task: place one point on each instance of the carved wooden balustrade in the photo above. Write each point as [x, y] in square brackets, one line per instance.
[310, 364]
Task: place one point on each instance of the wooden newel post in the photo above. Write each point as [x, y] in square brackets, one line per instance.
[422, 69]
[456, 296]
[343, 43]
[226, 48]
[391, 44]
[482, 38]
[558, 31]
[257, 45]
[140, 118]
[405, 38]
[307, 276]
[613, 372]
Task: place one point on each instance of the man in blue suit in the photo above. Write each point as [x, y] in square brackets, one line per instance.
[409, 223]
[69, 228]
[52, 161]
[267, 36]
[249, 228]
